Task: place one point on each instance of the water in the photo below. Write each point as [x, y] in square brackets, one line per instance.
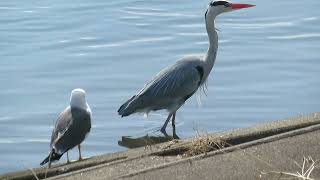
[267, 67]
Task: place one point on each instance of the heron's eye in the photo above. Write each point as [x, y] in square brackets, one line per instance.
[227, 5]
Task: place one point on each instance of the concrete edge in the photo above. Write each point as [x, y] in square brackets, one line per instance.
[252, 133]
[229, 149]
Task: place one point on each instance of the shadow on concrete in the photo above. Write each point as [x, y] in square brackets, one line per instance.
[144, 141]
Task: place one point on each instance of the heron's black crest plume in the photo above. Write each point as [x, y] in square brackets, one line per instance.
[217, 3]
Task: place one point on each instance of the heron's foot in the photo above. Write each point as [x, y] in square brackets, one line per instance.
[163, 131]
[68, 161]
[83, 158]
[72, 161]
[175, 136]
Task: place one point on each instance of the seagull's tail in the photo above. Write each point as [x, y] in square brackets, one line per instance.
[51, 157]
[128, 107]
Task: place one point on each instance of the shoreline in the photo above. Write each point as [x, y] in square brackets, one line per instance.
[153, 161]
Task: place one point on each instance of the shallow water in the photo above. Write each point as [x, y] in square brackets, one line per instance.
[267, 68]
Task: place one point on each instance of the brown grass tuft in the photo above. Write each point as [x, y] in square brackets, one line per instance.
[203, 144]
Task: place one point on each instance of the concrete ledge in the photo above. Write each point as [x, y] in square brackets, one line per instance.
[227, 150]
[143, 160]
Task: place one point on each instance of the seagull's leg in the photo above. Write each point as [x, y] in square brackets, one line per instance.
[68, 161]
[175, 136]
[163, 129]
[79, 148]
[49, 164]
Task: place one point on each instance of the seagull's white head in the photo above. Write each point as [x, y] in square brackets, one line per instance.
[78, 99]
[218, 7]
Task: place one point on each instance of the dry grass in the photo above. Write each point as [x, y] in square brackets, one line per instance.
[203, 144]
[306, 169]
[34, 173]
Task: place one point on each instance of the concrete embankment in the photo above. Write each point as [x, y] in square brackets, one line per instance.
[266, 151]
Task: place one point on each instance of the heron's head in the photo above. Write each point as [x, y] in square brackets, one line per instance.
[218, 7]
[78, 98]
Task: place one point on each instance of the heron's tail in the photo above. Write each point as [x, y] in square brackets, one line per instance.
[128, 107]
[51, 157]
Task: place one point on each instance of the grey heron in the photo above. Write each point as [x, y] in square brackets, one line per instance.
[173, 85]
[71, 128]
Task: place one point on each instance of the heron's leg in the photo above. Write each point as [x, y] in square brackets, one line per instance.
[175, 136]
[163, 129]
[79, 148]
[68, 161]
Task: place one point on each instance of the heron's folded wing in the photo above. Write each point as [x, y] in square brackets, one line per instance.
[179, 80]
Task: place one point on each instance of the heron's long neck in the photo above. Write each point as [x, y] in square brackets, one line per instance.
[210, 56]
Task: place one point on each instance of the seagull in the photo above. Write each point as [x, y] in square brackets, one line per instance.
[72, 127]
[173, 85]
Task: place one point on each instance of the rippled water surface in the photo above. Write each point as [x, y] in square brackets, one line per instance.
[267, 68]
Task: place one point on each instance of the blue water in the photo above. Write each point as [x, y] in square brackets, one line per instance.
[268, 67]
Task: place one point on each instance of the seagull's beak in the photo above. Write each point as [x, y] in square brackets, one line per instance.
[236, 6]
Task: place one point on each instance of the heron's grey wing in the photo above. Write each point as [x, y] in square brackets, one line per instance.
[63, 123]
[180, 80]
